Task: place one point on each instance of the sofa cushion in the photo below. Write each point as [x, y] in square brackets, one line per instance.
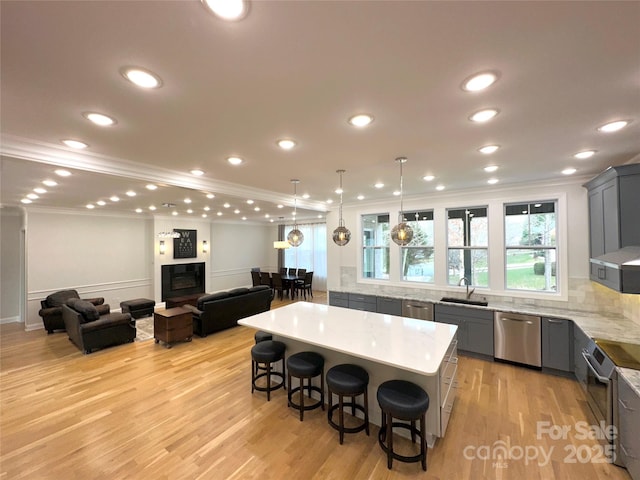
[210, 297]
[88, 310]
[60, 298]
[259, 288]
[238, 291]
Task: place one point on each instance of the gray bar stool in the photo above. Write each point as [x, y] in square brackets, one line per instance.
[266, 353]
[305, 365]
[408, 402]
[347, 380]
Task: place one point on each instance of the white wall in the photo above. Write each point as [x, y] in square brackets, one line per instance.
[10, 253]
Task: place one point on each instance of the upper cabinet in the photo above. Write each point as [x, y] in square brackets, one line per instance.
[614, 228]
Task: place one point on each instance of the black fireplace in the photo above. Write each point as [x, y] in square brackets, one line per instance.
[182, 279]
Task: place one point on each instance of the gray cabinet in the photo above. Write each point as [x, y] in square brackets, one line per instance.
[580, 343]
[359, 301]
[389, 306]
[475, 327]
[339, 299]
[629, 423]
[557, 344]
[614, 196]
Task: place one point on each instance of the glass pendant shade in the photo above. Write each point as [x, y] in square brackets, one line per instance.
[295, 237]
[341, 235]
[402, 234]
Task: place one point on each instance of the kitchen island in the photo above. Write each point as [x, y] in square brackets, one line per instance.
[387, 346]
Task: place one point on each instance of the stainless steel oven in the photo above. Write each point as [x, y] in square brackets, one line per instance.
[600, 372]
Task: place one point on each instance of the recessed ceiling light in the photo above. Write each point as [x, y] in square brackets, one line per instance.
[189, 211]
[329, 200]
[569, 171]
[32, 196]
[206, 209]
[488, 149]
[62, 173]
[138, 210]
[613, 126]
[484, 115]
[91, 206]
[219, 214]
[174, 213]
[114, 198]
[339, 190]
[101, 203]
[379, 185]
[25, 200]
[210, 195]
[244, 218]
[428, 178]
[152, 207]
[479, 81]
[319, 215]
[75, 144]
[257, 209]
[131, 193]
[266, 215]
[227, 9]
[226, 205]
[490, 168]
[235, 160]
[271, 220]
[236, 211]
[151, 186]
[396, 193]
[204, 215]
[99, 119]
[286, 144]
[250, 202]
[39, 190]
[187, 200]
[360, 197]
[50, 183]
[361, 120]
[440, 187]
[141, 77]
[492, 181]
[305, 195]
[584, 154]
[197, 172]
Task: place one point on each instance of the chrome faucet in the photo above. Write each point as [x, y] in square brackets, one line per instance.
[465, 281]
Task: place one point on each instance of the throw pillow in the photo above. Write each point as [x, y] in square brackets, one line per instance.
[60, 298]
[87, 309]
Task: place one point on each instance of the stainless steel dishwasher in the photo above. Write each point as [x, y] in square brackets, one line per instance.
[517, 338]
[417, 309]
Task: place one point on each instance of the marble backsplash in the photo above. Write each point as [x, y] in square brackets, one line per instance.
[584, 295]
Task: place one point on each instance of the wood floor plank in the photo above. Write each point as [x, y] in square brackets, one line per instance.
[141, 411]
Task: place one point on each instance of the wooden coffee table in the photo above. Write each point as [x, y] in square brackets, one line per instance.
[173, 325]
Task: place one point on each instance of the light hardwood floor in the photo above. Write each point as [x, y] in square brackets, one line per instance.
[141, 411]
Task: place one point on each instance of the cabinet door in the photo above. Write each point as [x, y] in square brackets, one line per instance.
[610, 212]
[580, 342]
[479, 336]
[557, 344]
[339, 299]
[629, 411]
[389, 306]
[596, 222]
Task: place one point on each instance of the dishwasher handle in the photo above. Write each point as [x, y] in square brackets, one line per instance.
[505, 319]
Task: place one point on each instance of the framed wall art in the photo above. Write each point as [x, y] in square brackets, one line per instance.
[184, 246]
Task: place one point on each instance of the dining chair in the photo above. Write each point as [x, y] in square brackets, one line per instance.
[305, 285]
[292, 271]
[283, 270]
[255, 278]
[301, 272]
[277, 285]
[265, 278]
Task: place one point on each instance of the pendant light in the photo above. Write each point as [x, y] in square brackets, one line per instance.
[295, 237]
[341, 235]
[402, 233]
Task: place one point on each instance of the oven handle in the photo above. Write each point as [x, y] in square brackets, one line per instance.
[593, 370]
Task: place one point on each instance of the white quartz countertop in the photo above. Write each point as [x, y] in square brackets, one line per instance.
[406, 343]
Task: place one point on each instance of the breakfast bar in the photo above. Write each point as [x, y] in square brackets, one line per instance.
[387, 346]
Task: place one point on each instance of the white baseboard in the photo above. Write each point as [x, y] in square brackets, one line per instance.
[15, 319]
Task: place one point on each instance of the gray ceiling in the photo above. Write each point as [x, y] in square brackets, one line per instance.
[299, 70]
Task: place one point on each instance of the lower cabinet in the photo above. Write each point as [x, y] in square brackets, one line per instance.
[339, 299]
[629, 415]
[389, 306]
[358, 301]
[557, 344]
[475, 327]
[448, 384]
[580, 343]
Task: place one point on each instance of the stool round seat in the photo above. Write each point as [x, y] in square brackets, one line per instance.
[305, 365]
[261, 336]
[405, 401]
[265, 353]
[347, 380]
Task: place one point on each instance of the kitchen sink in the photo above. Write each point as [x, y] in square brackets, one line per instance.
[465, 301]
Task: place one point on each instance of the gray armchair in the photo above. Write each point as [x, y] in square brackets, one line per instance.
[88, 329]
[51, 311]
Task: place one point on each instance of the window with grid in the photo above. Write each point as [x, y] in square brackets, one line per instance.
[416, 259]
[530, 246]
[468, 246]
[375, 246]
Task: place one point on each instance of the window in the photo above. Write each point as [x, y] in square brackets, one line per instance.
[311, 254]
[467, 242]
[530, 243]
[417, 257]
[375, 246]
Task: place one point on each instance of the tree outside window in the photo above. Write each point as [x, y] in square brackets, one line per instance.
[468, 246]
[375, 246]
[417, 258]
[531, 248]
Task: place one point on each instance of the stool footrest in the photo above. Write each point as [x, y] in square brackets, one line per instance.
[355, 429]
[382, 438]
[270, 388]
[318, 403]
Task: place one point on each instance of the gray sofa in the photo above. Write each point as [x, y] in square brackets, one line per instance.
[217, 311]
